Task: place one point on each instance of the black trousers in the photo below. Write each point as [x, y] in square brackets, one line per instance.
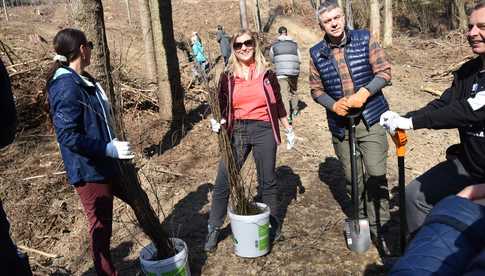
[11, 262]
[256, 136]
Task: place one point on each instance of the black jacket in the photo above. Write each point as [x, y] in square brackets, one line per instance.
[8, 115]
[452, 110]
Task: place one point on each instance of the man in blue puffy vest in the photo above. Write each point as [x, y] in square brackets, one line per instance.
[286, 58]
[11, 261]
[348, 69]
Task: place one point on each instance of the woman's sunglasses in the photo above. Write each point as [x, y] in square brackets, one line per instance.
[90, 45]
[248, 43]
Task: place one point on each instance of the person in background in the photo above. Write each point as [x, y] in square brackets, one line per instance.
[224, 44]
[81, 116]
[12, 261]
[348, 70]
[461, 106]
[286, 58]
[200, 58]
[252, 110]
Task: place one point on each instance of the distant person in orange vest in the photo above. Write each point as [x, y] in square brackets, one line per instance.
[286, 59]
[12, 262]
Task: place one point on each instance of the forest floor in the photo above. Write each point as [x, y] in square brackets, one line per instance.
[178, 169]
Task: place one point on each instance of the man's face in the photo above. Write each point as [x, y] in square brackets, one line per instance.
[333, 22]
[476, 31]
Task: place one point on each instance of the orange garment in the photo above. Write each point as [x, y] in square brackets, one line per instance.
[248, 100]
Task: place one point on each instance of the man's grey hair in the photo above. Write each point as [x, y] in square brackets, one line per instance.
[479, 5]
[326, 6]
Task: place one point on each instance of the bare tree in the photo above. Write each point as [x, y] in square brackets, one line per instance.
[5, 10]
[243, 14]
[170, 90]
[128, 10]
[458, 15]
[257, 15]
[387, 40]
[375, 20]
[145, 20]
[89, 17]
[349, 15]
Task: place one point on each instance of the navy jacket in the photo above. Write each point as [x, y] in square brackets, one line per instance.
[8, 115]
[81, 122]
[451, 242]
[357, 59]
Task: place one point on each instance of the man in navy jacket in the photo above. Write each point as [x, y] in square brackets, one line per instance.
[451, 240]
[461, 106]
[11, 262]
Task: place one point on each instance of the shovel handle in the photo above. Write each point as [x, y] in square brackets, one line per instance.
[400, 139]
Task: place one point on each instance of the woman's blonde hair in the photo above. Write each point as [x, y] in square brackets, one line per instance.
[234, 66]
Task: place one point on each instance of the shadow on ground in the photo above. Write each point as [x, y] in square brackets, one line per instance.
[331, 173]
[290, 186]
[118, 254]
[175, 134]
[188, 223]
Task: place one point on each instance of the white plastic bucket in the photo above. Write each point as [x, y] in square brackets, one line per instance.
[174, 266]
[251, 233]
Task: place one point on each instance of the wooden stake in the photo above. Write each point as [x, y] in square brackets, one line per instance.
[48, 255]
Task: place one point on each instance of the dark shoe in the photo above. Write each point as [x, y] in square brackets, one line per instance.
[382, 247]
[275, 233]
[212, 238]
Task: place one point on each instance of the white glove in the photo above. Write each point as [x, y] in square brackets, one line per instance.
[119, 149]
[290, 138]
[215, 125]
[399, 123]
[386, 116]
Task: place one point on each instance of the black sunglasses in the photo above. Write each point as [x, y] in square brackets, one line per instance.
[248, 43]
[90, 45]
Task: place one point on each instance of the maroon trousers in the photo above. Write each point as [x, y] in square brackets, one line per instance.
[97, 200]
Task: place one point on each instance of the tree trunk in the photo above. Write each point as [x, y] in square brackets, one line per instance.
[242, 14]
[128, 11]
[458, 15]
[257, 15]
[340, 4]
[150, 62]
[170, 90]
[375, 20]
[349, 15]
[387, 40]
[5, 10]
[89, 17]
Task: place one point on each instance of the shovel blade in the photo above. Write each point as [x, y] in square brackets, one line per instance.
[357, 234]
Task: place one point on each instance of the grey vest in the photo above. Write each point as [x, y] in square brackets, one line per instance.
[285, 58]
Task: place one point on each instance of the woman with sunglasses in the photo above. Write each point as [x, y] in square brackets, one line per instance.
[252, 109]
[81, 117]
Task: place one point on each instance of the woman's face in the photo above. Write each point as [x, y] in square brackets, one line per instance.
[244, 48]
[86, 53]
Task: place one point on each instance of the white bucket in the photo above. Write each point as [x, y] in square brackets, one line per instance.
[251, 233]
[174, 266]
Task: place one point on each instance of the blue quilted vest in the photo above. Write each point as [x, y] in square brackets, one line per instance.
[357, 59]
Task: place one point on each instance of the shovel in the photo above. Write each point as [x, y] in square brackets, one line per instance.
[400, 140]
[356, 229]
